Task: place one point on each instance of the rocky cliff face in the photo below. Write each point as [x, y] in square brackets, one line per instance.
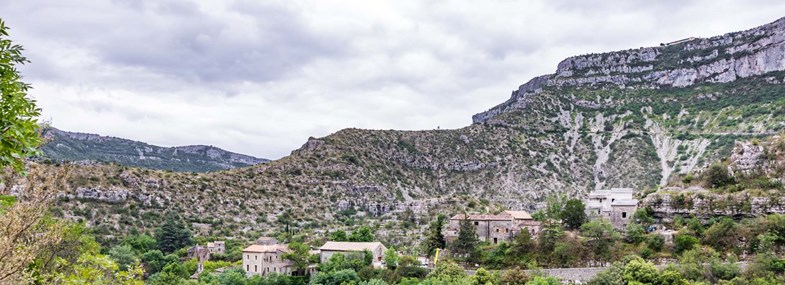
[718, 59]
[758, 169]
[637, 118]
[71, 146]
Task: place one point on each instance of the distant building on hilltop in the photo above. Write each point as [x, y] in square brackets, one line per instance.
[504, 226]
[617, 205]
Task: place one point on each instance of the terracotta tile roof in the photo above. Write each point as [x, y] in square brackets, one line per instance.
[485, 217]
[267, 248]
[350, 246]
[519, 215]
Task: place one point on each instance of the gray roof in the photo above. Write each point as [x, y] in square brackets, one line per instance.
[625, 202]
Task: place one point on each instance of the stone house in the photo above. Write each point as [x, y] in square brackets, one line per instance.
[504, 226]
[617, 205]
[333, 247]
[266, 259]
[216, 247]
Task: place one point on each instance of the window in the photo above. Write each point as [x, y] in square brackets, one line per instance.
[624, 215]
[255, 257]
[495, 240]
[255, 268]
[248, 256]
[476, 223]
[497, 230]
[247, 267]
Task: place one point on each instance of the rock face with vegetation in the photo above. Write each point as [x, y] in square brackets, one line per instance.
[634, 118]
[70, 146]
[748, 183]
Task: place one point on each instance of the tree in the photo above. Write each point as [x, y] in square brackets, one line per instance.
[140, 243]
[300, 255]
[635, 233]
[466, 243]
[515, 276]
[24, 233]
[638, 270]
[363, 234]
[522, 248]
[483, 277]
[601, 236]
[553, 206]
[539, 280]
[123, 255]
[717, 176]
[345, 276]
[19, 129]
[172, 273]
[435, 238]
[723, 235]
[574, 214]
[684, 242]
[391, 258]
[338, 235]
[173, 234]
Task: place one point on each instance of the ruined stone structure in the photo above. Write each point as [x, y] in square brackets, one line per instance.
[216, 247]
[337, 247]
[504, 226]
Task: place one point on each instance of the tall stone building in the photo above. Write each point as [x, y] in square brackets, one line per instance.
[617, 205]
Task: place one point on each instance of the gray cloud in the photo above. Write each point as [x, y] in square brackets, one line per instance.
[260, 77]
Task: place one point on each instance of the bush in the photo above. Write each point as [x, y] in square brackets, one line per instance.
[684, 243]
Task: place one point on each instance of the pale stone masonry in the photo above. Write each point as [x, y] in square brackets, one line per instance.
[266, 259]
[217, 247]
[617, 205]
[338, 247]
[504, 226]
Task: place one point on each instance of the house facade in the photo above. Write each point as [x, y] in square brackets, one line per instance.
[617, 205]
[346, 248]
[216, 247]
[266, 259]
[504, 226]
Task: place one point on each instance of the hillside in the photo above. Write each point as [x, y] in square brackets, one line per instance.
[69, 146]
[634, 118]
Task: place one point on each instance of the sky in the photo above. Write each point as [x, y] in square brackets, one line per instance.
[260, 77]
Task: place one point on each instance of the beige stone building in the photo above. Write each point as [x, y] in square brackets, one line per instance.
[266, 259]
[334, 247]
[617, 205]
[504, 226]
[216, 247]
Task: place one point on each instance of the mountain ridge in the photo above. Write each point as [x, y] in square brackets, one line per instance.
[76, 146]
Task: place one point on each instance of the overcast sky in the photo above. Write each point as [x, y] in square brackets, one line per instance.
[260, 77]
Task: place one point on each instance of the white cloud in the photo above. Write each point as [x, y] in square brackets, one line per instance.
[259, 78]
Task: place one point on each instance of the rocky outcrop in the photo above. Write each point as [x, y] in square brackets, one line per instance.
[718, 59]
[698, 202]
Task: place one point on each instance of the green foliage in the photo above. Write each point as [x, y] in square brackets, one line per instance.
[300, 255]
[655, 242]
[340, 277]
[173, 234]
[515, 276]
[717, 176]
[363, 234]
[391, 258]
[19, 130]
[539, 280]
[434, 236]
[155, 260]
[140, 243]
[483, 277]
[339, 235]
[465, 245]
[723, 235]
[684, 242]
[634, 233]
[124, 256]
[573, 214]
[601, 236]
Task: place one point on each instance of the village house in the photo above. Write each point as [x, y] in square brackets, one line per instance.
[266, 259]
[334, 247]
[504, 226]
[216, 247]
[617, 205]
